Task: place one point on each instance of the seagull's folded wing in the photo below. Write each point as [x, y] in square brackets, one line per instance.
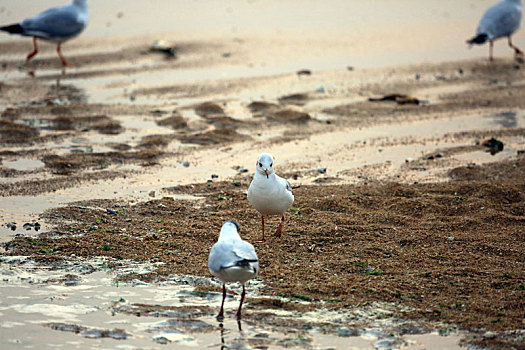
[58, 22]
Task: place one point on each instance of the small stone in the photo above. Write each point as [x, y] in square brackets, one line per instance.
[345, 332]
[11, 226]
[214, 176]
[489, 335]
[161, 340]
[27, 226]
[185, 164]
[321, 169]
[243, 170]
[152, 194]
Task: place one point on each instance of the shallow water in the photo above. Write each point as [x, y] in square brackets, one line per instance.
[80, 306]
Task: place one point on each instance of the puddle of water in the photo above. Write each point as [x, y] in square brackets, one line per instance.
[78, 305]
[24, 164]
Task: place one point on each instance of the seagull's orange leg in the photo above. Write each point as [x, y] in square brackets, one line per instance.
[34, 52]
[62, 58]
[516, 50]
[279, 229]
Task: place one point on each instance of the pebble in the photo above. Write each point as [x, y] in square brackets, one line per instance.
[214, 176]
[161, 340]
[489, 335]
[243, 170]
[11, 226]
[185, 164]
[346, 332]
[321, 169]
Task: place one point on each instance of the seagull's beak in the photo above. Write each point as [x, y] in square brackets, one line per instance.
[267, 173]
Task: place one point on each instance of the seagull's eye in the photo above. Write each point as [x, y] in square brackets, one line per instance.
[260, 164]
[271, 165]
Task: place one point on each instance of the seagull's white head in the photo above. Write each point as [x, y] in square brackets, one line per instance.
[230, 229]
[264, 164]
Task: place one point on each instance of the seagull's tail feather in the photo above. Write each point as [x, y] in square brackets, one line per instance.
[478, 39]
[13, 29]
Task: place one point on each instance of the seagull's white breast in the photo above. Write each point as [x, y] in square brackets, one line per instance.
[269, 196]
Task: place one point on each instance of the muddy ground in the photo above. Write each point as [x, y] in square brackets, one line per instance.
[412, 211]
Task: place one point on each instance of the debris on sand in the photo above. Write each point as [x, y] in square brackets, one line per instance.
[289, 116]
[163, 46]
[174, 122]
[400, 99]
[304, 72]
[494, 146]
[294, 99]
[207, 109]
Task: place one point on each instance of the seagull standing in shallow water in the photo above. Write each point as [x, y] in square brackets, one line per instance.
[57, 24]
[500, 20]
[232, 260]
[269, 193]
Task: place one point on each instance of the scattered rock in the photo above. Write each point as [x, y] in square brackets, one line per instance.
[489, 335]
[398, 98]
[321, 169]
[185, 164]
[304, 72]
[161, 340]
[214, 176]
[494, 146]
[294, 99]
[345, 332]
[433, 156]
[11, 226]
[164, 47]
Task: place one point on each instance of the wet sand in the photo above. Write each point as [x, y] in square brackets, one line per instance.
[414, 230]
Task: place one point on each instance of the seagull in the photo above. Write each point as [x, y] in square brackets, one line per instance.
[232, 260]
[500, 20]
[57, 24]
[269, 193]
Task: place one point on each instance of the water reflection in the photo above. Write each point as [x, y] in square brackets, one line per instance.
[224, 331]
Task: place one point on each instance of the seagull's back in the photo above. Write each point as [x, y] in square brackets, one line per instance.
[58, 23]
[232, 259]
[270, 195]
[502, 19]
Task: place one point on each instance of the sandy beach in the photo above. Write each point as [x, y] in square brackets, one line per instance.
[117, 173]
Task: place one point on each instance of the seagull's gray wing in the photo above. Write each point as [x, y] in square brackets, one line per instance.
[229, 253]
[501, 20]
[57, 22]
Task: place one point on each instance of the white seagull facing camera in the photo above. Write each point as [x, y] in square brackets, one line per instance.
[501, 20]
[268, 193]
[232, 260]
[57, 24]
